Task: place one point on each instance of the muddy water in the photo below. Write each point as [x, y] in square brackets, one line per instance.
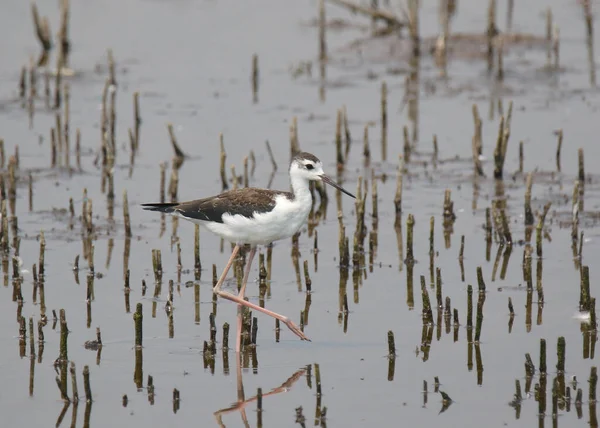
[190, 61]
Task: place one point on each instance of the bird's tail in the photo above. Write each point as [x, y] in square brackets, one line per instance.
[167, 207]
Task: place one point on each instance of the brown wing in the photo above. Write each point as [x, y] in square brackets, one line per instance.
[244, 202]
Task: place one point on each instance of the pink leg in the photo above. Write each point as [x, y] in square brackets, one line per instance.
[225, 295]
[283, 319]
[241, 294]
[217, 287]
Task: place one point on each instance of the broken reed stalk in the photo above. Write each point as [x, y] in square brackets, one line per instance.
[67, 92]
[575, 212]
[427, 313]
[477, 142]
[556, 47]
[294, 143]
[74, 383]
[561, 347]
[558, 148]
[584, 289]
[197, 264]
[413, 26]
[521, 157]
[225, 337]
[254, 78]
[479, 320]
[539, 228]
[528, 211]
[23, 83]
[410, 223]
[502, 145]
[347, 136]
[223, 158]
[398, 195]
[78, 148]
[86, 384]
[178, 152]
[64, 333]
[500, 61]
[391, 344]
[543, 356]
[491, 33]
[126, 217]
[581, 169]
[157, 265]
[138, 317]
[30, 192]
[42, 258]
[163, 180]
[307, 280]
[338, 141]
[384, 121]
[322, 24]
[137, 120]
[42, 29]
[246, 178]
[406, 148]
[593, 381]
[469, 306]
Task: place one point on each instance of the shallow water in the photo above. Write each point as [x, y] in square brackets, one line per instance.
[191, 63]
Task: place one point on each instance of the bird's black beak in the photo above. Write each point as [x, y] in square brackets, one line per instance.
[332, 183]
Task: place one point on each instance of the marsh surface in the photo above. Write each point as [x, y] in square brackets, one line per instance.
[190, 61]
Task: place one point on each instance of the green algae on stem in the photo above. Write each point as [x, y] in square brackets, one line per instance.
[561, 350]
[542, 367]
[138, 318]
[480, 281]
[469, 306]
[584, 295]
[427, 313]
[479, 322]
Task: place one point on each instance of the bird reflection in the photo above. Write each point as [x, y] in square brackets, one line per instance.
[241, 402]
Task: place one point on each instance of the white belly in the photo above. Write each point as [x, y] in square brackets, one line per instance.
[263, 228]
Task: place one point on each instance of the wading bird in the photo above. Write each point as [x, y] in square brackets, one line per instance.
[255, 217]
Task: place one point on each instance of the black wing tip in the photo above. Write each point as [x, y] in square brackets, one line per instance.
[167, 207]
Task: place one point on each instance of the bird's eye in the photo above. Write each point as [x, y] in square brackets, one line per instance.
[309, 166]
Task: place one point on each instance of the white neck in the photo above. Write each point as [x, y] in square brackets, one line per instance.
[300, 188]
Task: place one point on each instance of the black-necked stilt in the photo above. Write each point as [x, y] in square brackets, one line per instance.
[255, 217]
